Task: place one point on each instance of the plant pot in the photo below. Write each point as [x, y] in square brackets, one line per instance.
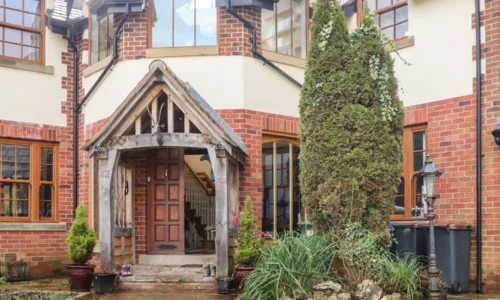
[80, 277]
[241, 274]
[225, 286]
[103, 283]
[208, 244]
[15, 270]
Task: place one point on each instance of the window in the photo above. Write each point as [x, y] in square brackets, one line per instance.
[28, 181]
[181, 23]
[284, 30]
[21, 29]
[281, 204]
[392, 17]
[409, 193]
[101, 38]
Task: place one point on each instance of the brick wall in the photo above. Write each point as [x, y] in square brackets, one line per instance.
[234, 38]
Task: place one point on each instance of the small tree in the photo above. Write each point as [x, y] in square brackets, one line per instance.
[81, 239]
[249, 244]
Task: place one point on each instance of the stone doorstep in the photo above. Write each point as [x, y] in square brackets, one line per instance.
[165, 270]
[150, 286]
[173, 278]
[176, 260]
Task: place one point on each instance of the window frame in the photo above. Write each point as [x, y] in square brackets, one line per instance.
[150, 29]
[109, 50]
[380, 11]
[410, 178]
[40, 31]
[35, 180]
[307, 29]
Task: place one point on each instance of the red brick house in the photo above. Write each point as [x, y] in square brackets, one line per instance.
[178, 110]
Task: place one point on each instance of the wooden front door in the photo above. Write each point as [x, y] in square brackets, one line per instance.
[166, 201]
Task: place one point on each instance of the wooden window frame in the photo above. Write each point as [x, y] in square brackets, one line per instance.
[275, 36]
[407, 173]
[388, 8]
[150, 28]
[109, 50]
[291, 141]
[40, 31]
[35, 181]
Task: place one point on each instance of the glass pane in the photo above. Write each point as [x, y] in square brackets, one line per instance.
[13, 17]
[401, 30]
[1, 2]
[420, 183]
[399, 205]
[23, 153]
[178, 119]
[8, 170]
[383, 3]
[47, 155]
[6, 191]
[8, 152]
[387, 19]
[31, 53]
[45, 209]
[376, 20]
[23, 171]
[402, 14]
[389, 32]
[206, 23]
[31, 20]
[12, 50]
[6, 208]
[31, 39]
[283, 209]
[13, 35]
[162, 23]
[268, 211]
[1, 48]
[419, 141]
[1, 14]
[109, 40]
[268, 30]
[17, 4]
[94, 39]
[22, 208]
[103, 34]
[183, 23]
[418, 160]
[401, 187]
[372, 5]
[47, 173]
[299, 28]
[283, 10]
[22, 191]
[46, 192]
[32, 6]
[298, 210]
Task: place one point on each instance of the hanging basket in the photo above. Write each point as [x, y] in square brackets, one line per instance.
[15, 270]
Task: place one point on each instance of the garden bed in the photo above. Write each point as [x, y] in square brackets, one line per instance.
[37, 295]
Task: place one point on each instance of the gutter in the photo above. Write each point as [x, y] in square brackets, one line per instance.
[479, 240]
[266, 61]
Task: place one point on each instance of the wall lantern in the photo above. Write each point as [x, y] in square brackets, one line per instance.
[220, 151]
[496, 133]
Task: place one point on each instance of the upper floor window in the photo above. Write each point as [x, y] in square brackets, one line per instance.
[181, 23]
[409, 193]
[28, 181]
[101, 38]
[284, 30]
[21, 29]
[392, 17]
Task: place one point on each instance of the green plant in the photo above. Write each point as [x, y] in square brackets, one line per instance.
[2, 280]
[249, 245]
[81, 239]
[290, 267]
[402, 274]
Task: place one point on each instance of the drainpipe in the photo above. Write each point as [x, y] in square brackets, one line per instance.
[479, 253]
[75, 120]
[266, 61]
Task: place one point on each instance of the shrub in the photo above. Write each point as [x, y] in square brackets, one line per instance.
[81, 239]
[249, 245]
[402, 274]
[289, 267]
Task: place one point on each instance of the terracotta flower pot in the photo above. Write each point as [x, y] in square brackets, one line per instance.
[80, 277]
[241, 274]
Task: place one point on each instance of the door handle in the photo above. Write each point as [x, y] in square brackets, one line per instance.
[166, 173]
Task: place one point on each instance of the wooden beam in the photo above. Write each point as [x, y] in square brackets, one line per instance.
[106, 211]
[170, 112]
[187, 123]
[142, 141]
[138, 125]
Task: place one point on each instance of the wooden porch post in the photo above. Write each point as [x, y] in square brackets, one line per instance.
[107, 165]
[220, 166]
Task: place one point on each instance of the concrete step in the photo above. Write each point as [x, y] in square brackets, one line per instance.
[171, 278]
[176, 260]
[166, 270]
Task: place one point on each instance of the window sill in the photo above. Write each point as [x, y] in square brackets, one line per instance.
[403, 43]
[98, 66]
[32, 226]
[284, 59]
[26, 66]
[182, 51]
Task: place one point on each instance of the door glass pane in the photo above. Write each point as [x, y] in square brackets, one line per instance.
[283, 209]
[419, 140]
[268, 192]
[418, 160]
[162, 23]
[419, 181]
[299, 28]
[283, 10]
[183, 23]
[298, 210]
[206, 23]
[268, 30]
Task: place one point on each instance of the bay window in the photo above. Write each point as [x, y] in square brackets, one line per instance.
[21, 30]
[284, 30]
[28, 179]
[181, 23]
[101, 38]
[392, 17]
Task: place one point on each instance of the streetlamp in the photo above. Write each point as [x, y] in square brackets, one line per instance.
[429, 173]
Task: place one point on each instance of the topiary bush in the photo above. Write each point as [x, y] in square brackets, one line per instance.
[249, 245]
[350, 125]
[81, 239]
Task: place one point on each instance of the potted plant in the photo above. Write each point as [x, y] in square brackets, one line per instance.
[81, 241]
[104, 281]
[249, 245]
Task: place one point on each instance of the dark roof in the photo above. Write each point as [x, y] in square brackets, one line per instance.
[59, 12]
